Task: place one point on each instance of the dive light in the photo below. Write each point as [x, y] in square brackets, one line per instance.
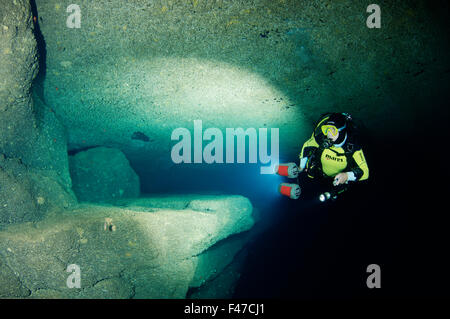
[289, 170]
[326, 196]
[292, 191]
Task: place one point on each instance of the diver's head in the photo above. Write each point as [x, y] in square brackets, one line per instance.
[335, 127]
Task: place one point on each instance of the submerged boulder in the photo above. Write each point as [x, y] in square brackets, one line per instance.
[121, 252]
[101, 174]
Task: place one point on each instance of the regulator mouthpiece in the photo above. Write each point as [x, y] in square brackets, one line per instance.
[292, 191]
[327, 143]
[289, 170]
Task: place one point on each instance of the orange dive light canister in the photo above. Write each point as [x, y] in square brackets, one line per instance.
[289, 170]
[290, 190]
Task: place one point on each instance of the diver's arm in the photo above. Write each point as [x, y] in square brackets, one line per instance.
[361, 170]
[358, 171]
[309, 147]
[302, 164]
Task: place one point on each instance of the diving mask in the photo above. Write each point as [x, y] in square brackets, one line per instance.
[330, 129]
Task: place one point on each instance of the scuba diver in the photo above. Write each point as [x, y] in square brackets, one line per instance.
[330, 159]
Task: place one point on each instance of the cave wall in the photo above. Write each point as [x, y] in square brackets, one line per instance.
[34, 176]
[18, 68]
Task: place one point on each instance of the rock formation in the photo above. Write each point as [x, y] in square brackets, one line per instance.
[126, 251]
[101, 174]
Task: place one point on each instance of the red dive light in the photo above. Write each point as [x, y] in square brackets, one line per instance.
[289, 170]
[290, 190]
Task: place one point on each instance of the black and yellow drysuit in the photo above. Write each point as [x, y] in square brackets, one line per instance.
[321, 158]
